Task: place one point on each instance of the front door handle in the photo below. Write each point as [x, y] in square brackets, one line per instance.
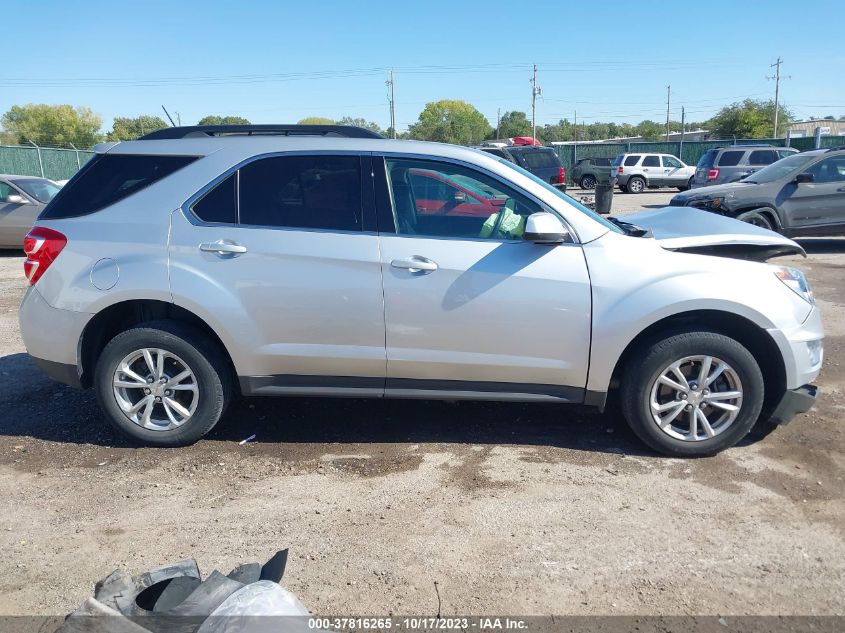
[223, 247]
[841, 189]
[415, 264]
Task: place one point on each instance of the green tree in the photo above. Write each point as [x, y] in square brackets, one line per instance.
[451, 121]
[749, 119]
[213, 119]
[128, 128]
[315, 120]
[512, 124]
[52, 125]
[651, 131]
[362, 122]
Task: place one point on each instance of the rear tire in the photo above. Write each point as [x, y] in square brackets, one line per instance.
[686, 187]
[647, 396]
[635, 185]
[186, 408]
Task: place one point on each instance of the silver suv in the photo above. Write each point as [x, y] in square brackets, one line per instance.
[176, 272]
[730, 164]
[634, 173]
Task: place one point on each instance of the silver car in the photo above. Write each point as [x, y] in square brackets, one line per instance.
[22, 198]
[175, 272]
[634, 173]
[722, 165]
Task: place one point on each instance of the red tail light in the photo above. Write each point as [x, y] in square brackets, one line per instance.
[42, 246]
[712, 174]
[620, 169]
[561, 175]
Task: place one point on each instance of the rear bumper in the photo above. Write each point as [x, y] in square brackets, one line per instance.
[795, 401]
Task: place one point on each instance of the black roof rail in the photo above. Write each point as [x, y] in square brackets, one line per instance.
[836, 149]
[199, 131]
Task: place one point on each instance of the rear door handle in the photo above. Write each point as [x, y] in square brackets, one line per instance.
[415, 264]
[223, 247]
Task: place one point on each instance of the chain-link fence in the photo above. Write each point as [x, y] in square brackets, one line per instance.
[49, 162]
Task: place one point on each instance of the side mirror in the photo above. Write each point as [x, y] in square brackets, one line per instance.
[545, 228]
[460, 197]
[16, 199]
[803, 178]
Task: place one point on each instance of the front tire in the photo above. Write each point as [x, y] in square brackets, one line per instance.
[759, 217]
[588, 182]
[162, 383]
[692, 394]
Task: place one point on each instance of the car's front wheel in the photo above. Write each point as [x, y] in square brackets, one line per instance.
[162, 383]
[759, 217]
[588, 182]
[692, 394]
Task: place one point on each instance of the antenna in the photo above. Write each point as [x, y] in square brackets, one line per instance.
[168, 115]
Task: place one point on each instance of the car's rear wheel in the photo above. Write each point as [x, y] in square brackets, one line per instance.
[692, 394]
[162, 383]
[588, 182]
[758, 217]
[635, 185]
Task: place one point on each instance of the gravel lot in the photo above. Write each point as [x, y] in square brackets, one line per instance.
[508, 508]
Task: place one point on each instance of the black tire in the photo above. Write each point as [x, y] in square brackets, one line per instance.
[644, 368]
[211, 371]
[687, 186]
[635, 185]
[623, 188]
[588, 182]
[759, 217]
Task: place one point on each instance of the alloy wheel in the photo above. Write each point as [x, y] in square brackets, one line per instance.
[696, 398]
[155, 389]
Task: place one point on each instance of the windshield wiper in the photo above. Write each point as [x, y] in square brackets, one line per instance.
[629, 228]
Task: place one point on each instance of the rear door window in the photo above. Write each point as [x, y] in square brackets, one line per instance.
[315, 192]
[762, 157]
[730, 159]
[630, 161]
[108, 178]
[651, 161]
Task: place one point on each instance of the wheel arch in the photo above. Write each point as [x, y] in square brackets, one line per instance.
[753, 337]
[120, 316]
[763, 209]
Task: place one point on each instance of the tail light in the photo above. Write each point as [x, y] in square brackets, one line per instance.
[712, 174]
[42, 246]
[620, 169]
[561, 175]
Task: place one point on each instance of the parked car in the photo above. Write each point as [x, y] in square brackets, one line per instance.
[730, 164]
[540, 161]
[437, 193]
[176, 271]
[802, 194]
[587, 171]
[22, 198]
[634, 173]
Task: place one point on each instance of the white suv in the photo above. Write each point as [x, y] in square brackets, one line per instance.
[175, 272]
[634, 173]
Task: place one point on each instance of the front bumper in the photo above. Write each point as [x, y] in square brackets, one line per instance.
[793, 402]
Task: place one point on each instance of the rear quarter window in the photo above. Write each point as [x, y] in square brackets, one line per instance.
[630, 161]
[730, 159]
[108, 178]
[708, 158]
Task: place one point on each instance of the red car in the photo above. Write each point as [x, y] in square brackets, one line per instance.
[436, 193]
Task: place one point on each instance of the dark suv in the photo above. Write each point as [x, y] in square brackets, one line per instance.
[540, 161]
[588, 171]
[733, 163]
[802, 194]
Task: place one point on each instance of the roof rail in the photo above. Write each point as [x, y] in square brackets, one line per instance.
[199, 131]
[836, 149]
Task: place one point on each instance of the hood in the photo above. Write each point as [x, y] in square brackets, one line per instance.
[692, 230]
[713, 190]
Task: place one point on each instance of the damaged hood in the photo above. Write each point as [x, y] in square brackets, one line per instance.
[693, 230]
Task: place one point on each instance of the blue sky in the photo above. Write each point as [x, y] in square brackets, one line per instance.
[280, 61]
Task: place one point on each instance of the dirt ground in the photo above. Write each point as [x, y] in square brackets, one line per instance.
[508, 508]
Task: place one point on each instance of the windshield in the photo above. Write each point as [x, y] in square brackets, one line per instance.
[568, 199]
[41, 190]
[779, 169]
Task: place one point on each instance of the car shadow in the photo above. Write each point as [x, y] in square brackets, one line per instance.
[33, 406]
[10, 252]
[822, 245]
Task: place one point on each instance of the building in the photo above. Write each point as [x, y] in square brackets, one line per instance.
[800, 129]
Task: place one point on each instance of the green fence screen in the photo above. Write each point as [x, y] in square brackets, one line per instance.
[52, 163]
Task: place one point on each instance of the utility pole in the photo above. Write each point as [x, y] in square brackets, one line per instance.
[575, 138]
[668, 100]
[168, 116]
[683, 129]
[498, 121]
[535, 90]
[776, 66]
[390, 97]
